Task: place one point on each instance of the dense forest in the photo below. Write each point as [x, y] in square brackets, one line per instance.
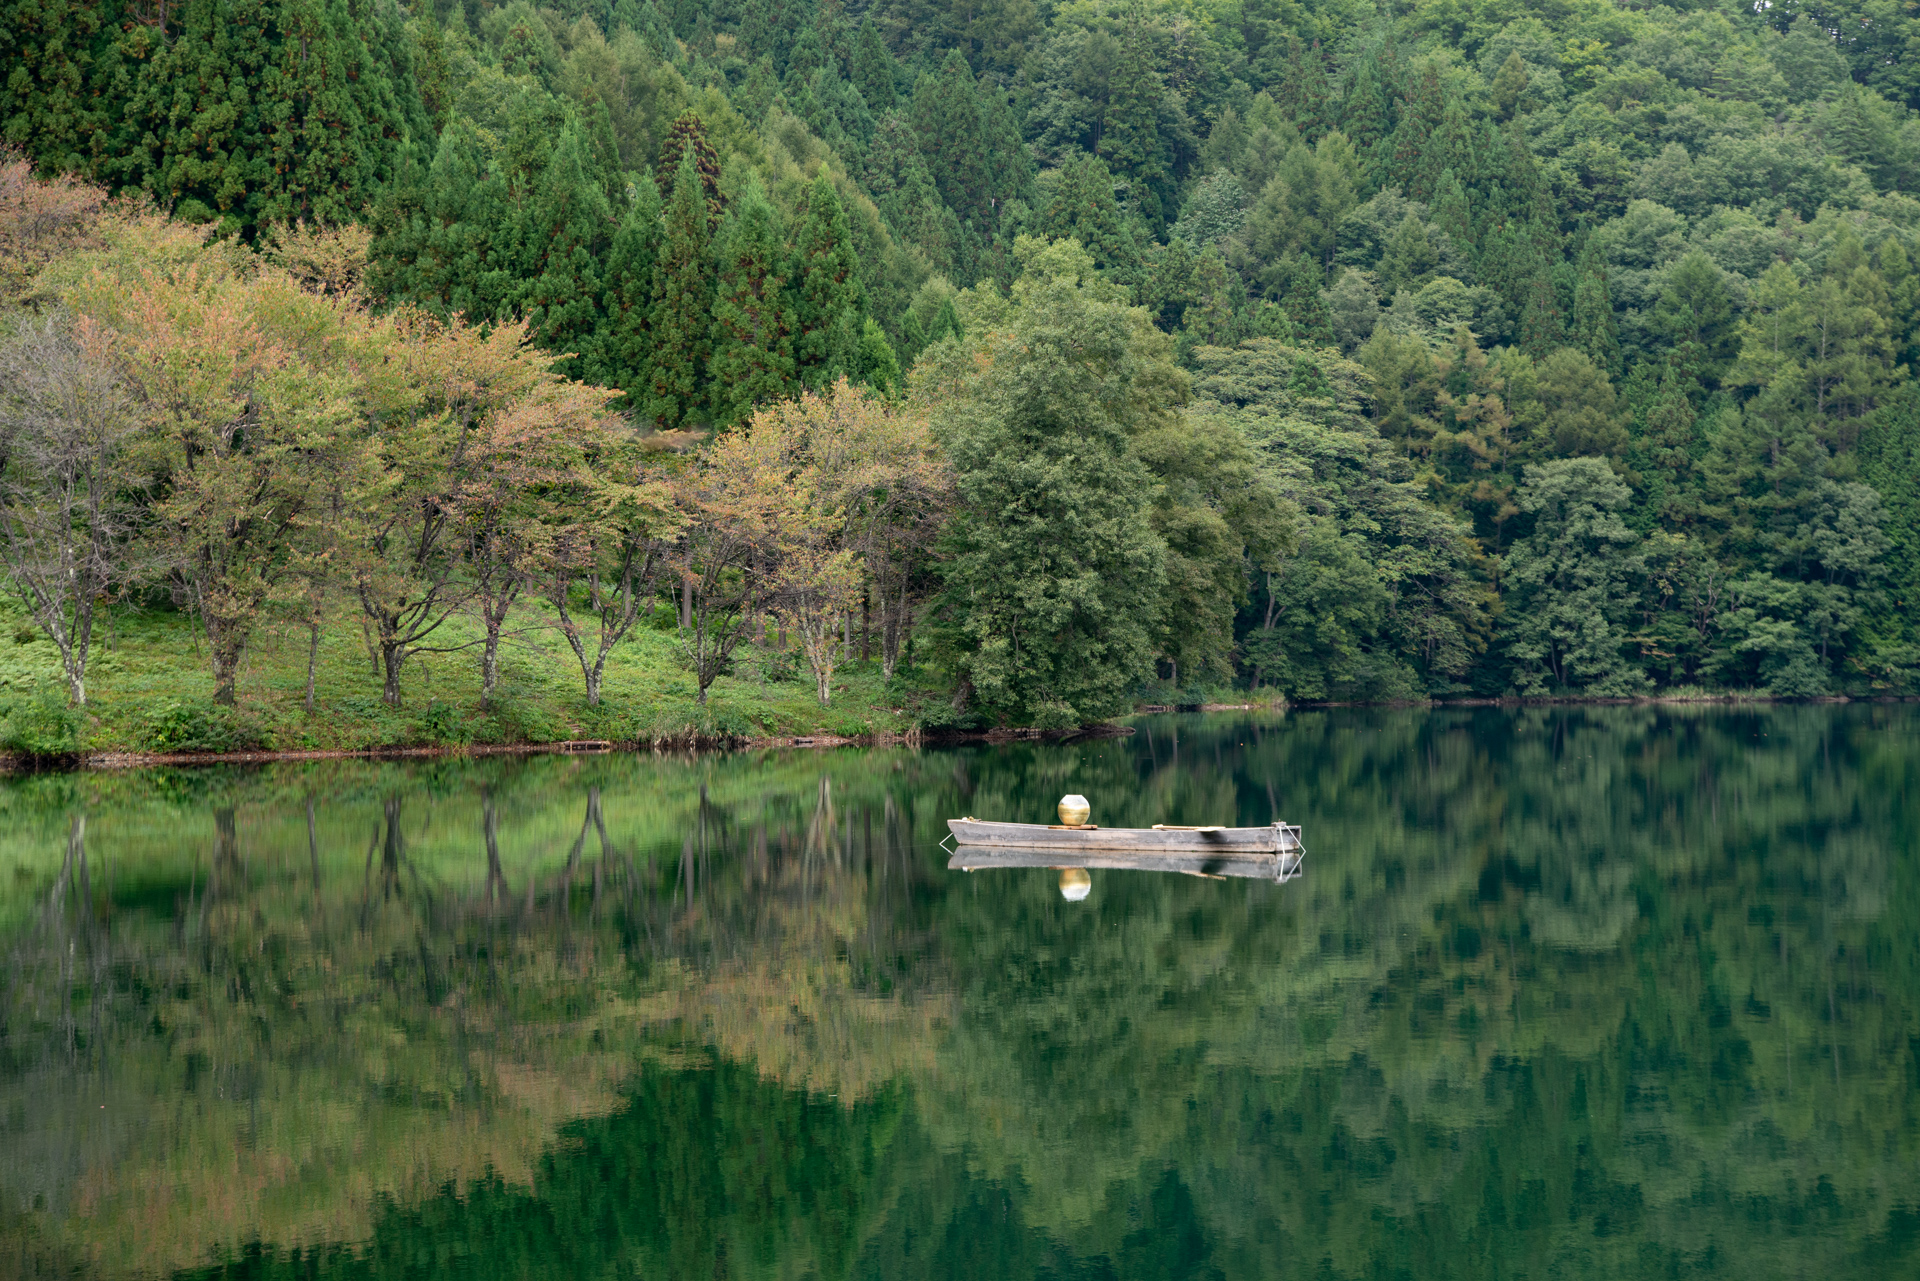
[1057, 355]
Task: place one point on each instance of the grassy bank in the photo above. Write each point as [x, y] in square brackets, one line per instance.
[150, 689]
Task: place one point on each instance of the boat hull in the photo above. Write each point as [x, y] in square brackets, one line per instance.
[1240, 863]
[1248, 841]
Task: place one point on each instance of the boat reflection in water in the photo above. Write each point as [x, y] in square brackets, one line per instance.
[1076, 865]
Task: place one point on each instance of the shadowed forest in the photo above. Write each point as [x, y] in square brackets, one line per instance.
[379, 374]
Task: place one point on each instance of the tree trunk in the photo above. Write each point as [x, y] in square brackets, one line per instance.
[866, 626]
[226, 672]
[313, 656]
[490, 663]
[686, 604]
[593, 685]
[392, 655]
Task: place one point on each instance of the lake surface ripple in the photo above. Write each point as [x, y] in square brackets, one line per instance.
[1568, 992]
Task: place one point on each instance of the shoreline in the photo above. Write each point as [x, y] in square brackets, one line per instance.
[119, 759]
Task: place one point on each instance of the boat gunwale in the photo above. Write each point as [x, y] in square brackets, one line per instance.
[1268, 841]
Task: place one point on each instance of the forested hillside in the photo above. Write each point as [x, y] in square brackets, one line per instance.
[1444, 348]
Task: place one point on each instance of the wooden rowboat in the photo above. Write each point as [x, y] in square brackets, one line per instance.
[1263, 867]
[1277, 838]
[1272, 852]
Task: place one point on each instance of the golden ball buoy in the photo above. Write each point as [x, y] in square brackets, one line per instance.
[1075, 884]
[1074, 810]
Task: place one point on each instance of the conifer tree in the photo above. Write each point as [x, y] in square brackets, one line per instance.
[57, 53]
[688, 136]
[1695, 312]
[700, 41]
[1668, 436]
[1409, 261]
[879, 365]
[1083, 209]
[827, 291]
[1592, 328]
[1419, 117]
[1131, 141]
[946, 115]
[1452, 213]
[681, 320]
[913, 337]
[756, 96]
[1850, 350]
[604, 147]
[1366, 114]
[1297, 282]
[1510, 85]
[1209, 317]
[454, 248]
[1301, 88]
[768, 28]
[1449, 149]
[946, 323]
[1527, 199]
[622, 350]
[1541, 326]
[873, 68]
[898, 181]
[569, 227]
[752, 323]
[807, 56]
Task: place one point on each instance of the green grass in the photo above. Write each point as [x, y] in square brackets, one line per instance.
[150, 688]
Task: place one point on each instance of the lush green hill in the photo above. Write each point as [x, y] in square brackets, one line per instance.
[1581, 334]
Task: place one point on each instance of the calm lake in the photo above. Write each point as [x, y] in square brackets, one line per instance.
[1569, 992]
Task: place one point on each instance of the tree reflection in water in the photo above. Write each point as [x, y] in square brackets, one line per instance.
[1591, 992]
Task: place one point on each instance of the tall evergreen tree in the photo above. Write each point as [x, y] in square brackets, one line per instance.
[971, 143]
[828, 295]
[946, 323]
[680, 325]
[873, 68]
[1695, 312]
[1296, 283]
[1301, 89]
[1592, 328]
[1083, 209]
[454, 246]
[622, 348]
[898, 181]
[946, 115]
[1131, 141]
[569, 230]
[1366, 114]
[687, 136]
[1453, 213]
[1449, 150]
[752, 321]
[1209, 317]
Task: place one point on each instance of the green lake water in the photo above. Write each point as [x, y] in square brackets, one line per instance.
[1569, 992]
